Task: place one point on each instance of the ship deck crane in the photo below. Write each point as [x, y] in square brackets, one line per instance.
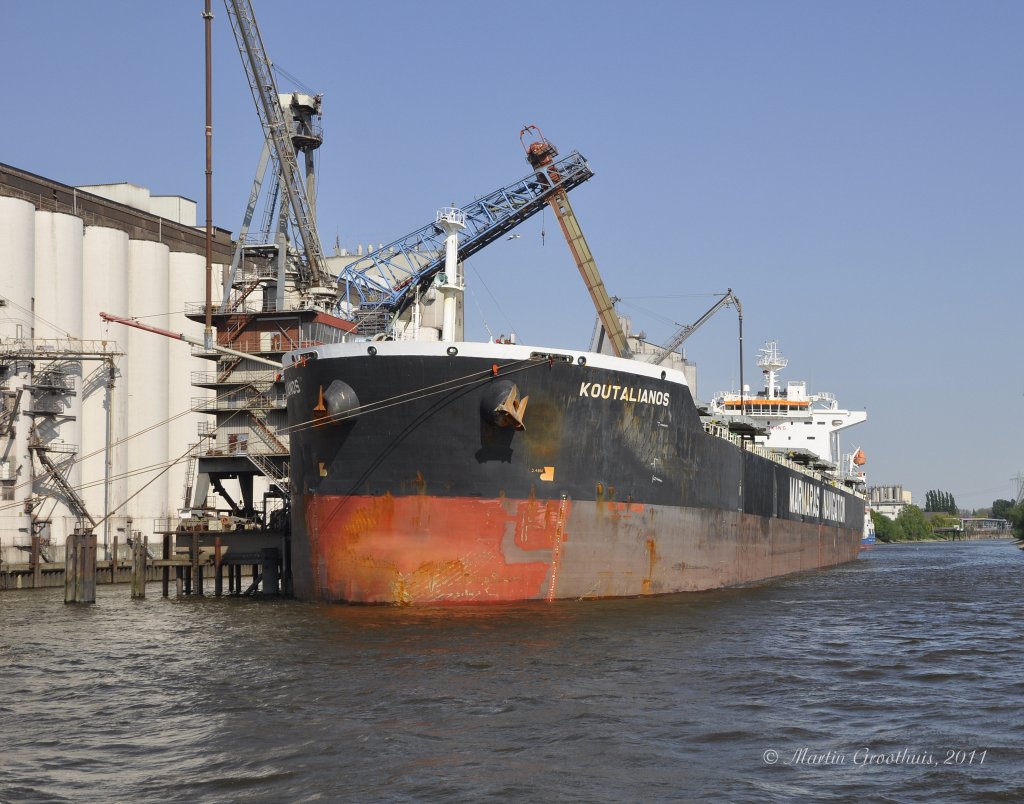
[315, 281]
[540, 153]
[727, 300]
[383, 283]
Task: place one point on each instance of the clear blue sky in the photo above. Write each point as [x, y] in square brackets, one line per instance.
[854, 171]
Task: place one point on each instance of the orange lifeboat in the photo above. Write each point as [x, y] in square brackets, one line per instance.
[859, 458]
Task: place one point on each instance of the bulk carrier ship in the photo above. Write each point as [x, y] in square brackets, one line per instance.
[447, 471]
[468, 472]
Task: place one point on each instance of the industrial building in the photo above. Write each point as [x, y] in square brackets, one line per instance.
[889, 500]
[94, 417]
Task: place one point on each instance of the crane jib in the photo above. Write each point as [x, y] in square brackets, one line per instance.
[386, 278]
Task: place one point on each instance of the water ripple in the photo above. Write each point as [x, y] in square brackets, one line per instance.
[680, 698]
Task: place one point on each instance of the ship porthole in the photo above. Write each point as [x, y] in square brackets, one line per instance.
[452, 351]
[663, 375]
[371, 351]
[581, 360]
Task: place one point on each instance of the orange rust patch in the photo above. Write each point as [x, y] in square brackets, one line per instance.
[424, 549]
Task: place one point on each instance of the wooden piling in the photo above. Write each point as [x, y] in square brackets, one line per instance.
[196, 571]
[113, 561]
[165, 582]
[218, 577]
[80, 568]
[139, 555]
[35, 560]
[269, 559]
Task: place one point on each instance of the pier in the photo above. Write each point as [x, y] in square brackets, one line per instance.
[254, 562]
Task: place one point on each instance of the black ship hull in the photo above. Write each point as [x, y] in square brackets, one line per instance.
[412, 482]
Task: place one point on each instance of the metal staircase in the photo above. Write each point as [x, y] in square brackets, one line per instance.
[265, 433]
[190, 475]
[75, 502]
[277, 476]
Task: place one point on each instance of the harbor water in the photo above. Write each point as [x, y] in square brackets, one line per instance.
[897, 677]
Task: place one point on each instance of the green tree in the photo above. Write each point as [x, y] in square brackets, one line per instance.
[886, 530]
[913, 524]
[1016, 517]
[936, 501]
[1001, 509]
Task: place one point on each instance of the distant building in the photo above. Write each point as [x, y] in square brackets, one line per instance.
[988, 525]
[889, 500]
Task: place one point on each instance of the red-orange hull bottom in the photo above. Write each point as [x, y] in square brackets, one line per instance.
[423, 549]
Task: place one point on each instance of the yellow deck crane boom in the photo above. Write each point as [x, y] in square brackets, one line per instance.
[540, 153]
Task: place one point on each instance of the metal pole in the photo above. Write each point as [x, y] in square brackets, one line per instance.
[106, 467]
[208, 23]
[739, 312]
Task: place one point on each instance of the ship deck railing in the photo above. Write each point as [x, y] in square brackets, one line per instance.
[722, 431]
[239, 377]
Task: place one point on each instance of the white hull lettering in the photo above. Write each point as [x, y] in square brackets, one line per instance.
[643, 396]
[806, 499]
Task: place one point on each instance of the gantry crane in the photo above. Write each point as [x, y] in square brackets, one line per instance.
[728, 299]
[540, 153]
[315, 283]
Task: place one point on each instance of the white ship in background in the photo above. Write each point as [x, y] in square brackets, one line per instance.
[804, 426]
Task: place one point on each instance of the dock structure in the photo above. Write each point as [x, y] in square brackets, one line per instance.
[255, 563]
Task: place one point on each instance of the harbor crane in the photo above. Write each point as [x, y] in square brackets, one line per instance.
[728, 299]
[379, 286]
[540, 153]
[314, 283]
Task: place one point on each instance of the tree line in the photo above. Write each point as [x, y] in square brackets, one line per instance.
[909, 525]
[912, 525]
[940, 501]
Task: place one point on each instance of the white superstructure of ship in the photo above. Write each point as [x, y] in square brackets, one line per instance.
[792, 421]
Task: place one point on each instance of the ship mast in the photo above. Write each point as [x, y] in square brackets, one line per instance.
[771, 362]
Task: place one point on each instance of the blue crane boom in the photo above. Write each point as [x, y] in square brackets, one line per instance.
[384, 281]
